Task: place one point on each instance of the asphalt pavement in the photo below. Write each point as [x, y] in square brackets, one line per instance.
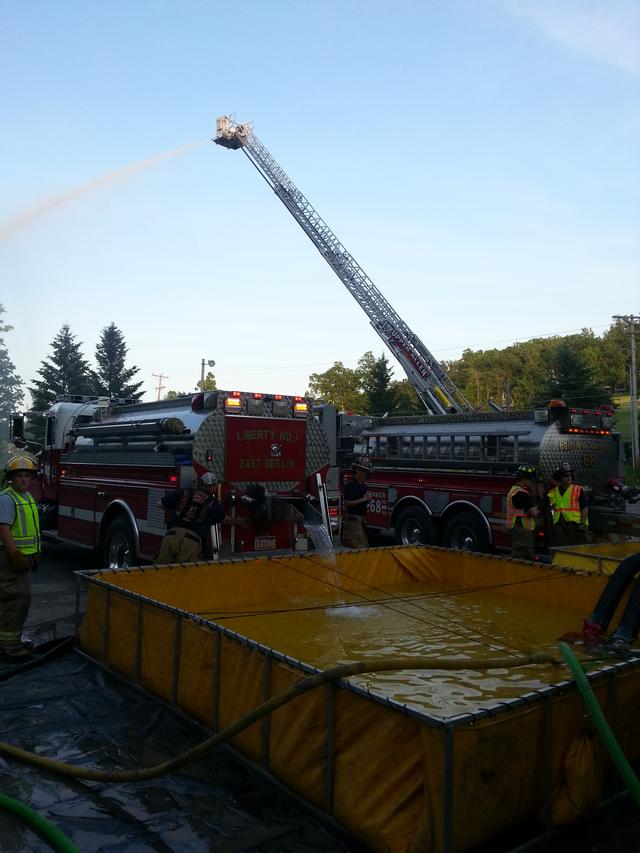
[53, 592]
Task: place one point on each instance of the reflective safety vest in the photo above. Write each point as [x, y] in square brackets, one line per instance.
[513, 513]
[25, 530]
[566, 505]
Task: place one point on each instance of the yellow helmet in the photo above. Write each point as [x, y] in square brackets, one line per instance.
[20, 463]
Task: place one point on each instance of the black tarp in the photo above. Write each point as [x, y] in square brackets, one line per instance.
[71, 710]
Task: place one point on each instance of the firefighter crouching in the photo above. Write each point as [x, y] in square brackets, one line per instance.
[522, 512]
[189, 528]
[19, 553]
[356, 498]
[569, 509]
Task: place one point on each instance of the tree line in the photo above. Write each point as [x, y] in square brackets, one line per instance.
[583, 369]
[67, 371]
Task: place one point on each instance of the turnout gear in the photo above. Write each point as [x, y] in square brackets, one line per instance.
[527, 471]
[564, 469]
[514, 513]
[363, 462]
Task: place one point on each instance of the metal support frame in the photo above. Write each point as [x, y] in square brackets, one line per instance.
[266, 722]
[447, 792]
[138, 670]
[330, 749]
[177, 638]
[215, 682]
[76, 618]
[105, 625]
[548, 762]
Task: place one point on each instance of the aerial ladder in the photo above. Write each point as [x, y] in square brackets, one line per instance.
[430, 381]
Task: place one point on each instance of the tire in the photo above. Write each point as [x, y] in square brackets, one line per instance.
[118, 549]
[466, 531]
[413, 526]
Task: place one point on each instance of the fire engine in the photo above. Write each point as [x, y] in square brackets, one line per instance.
[106, 464]
[444, 477]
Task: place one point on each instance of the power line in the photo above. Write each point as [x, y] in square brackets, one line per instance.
[510, 341]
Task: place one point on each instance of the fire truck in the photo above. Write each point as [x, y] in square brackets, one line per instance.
[444, 477]
[105, 465]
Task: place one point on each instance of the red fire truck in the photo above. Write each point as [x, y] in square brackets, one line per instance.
[443, 479]
[104, 467]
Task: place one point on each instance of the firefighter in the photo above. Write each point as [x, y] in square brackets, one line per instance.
[356, 498]
[569, 509]
[625, 576]
[522, 512]
[19, 553]
[194, 511]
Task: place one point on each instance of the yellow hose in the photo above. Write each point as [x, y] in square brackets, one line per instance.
[313, 682]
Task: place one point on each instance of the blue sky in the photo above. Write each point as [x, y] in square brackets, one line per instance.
[478, 158]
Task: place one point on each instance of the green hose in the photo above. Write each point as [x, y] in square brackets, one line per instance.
[49, 831]
[604, 729]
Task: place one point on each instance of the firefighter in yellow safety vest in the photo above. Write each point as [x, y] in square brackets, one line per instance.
[522, 511]
[569, 509]
[19, 553]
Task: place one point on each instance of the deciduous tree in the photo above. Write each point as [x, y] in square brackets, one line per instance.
[340, 386]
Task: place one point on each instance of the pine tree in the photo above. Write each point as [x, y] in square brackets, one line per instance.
[571, 379]
[376, 382]
[113, 379]
[65, 372]
[10, 383]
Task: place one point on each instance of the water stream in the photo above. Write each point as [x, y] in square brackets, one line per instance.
[320, 536]
[22, 219]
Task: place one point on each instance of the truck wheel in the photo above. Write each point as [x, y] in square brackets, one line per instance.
[466, 532]
[413, 526]
[118, 547]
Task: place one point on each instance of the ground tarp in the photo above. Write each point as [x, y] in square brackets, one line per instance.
[71, 710]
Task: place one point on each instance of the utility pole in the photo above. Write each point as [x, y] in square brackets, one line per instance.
[629, 322]
[160, 377]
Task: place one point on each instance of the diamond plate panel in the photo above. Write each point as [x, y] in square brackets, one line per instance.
[210, 442]
[593, 457]
[317, 447]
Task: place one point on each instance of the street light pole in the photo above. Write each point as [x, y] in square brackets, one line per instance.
[211, 363]
[630, 321]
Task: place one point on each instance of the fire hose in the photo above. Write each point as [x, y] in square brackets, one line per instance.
[599, 720]
[330, 676]
[47, 830]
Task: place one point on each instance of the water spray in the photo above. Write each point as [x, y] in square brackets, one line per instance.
[22, 219]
